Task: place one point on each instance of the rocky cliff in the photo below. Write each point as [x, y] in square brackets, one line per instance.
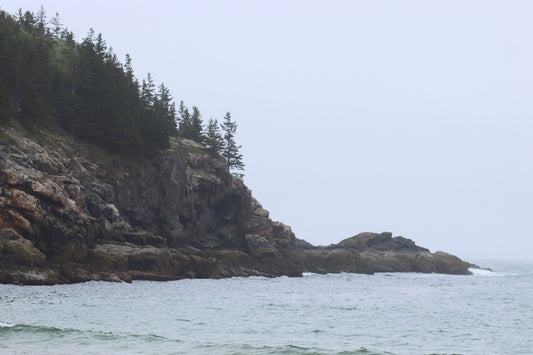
[72, 214]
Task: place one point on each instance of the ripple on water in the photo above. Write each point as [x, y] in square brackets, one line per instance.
[317, 314]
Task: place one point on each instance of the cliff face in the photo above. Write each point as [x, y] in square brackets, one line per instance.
[66, 217]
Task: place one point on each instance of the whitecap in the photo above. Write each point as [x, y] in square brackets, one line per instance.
[306, 274]
[6, 325]
[480, 272]
[485, 272]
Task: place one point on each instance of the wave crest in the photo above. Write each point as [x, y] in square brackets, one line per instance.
[6, 325]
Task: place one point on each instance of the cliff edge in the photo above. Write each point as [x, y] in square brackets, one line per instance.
[69, 214]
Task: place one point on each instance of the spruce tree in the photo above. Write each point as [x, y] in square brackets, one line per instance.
[231, 149]
[4, 104]
[47, 78]
[128, 69]
[213, 138]
[148, 91]
[56, 25]
[190, 125]
[164, 108]
[184, 121]
[197, 128]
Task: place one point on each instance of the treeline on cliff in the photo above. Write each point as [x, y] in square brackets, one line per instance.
[47, 78]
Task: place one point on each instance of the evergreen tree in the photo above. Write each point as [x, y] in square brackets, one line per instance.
[190, 125]
[29, 105]
[100, 47]
[89, 123]
[165, 109]
[4, 104]
[172, 125]
[41, 21]
[184, 121]
[56, 25]
[47, 78]
[151, 124]
[197, 127]
[213, 138]
[129, 69]
[26, 20]
[7, 65]
[231, 149]
[148, 92]
[64, 64]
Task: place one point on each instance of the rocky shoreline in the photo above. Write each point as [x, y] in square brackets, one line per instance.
[71, 215]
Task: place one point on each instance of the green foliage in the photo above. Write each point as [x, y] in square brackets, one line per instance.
[191, 125]
[165, 110]
[47, 79]
[184, 121]
[213, 138]
[197, 126]
[231, 149]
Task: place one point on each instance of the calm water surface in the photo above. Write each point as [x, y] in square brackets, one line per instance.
[487, 313]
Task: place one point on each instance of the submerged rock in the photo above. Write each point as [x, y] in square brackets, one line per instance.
[68, 217]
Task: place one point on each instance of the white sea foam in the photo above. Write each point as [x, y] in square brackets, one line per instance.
[485, 272]
[306, 274]
[6, 325]
[481, 272]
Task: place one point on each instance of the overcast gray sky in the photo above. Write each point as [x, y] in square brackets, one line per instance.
[414, 117]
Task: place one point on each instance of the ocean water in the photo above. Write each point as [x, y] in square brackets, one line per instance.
[486, 313]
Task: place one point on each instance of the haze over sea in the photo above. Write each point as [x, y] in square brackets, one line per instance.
[404, 313]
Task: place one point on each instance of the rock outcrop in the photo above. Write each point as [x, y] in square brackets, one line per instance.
[373, 252]
[68, 215]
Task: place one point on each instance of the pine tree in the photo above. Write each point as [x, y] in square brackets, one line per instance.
[7, 65]
[129, 69]
[165, 109]
[172, 125]
[184, 121]
[47, 78]
[231, 149]
[190, 125]
[213, 138]
[56, 25]
[100, 47]
[197, 127]
[148, 91]
[41, 21]
[29, 103]
[4, 104]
